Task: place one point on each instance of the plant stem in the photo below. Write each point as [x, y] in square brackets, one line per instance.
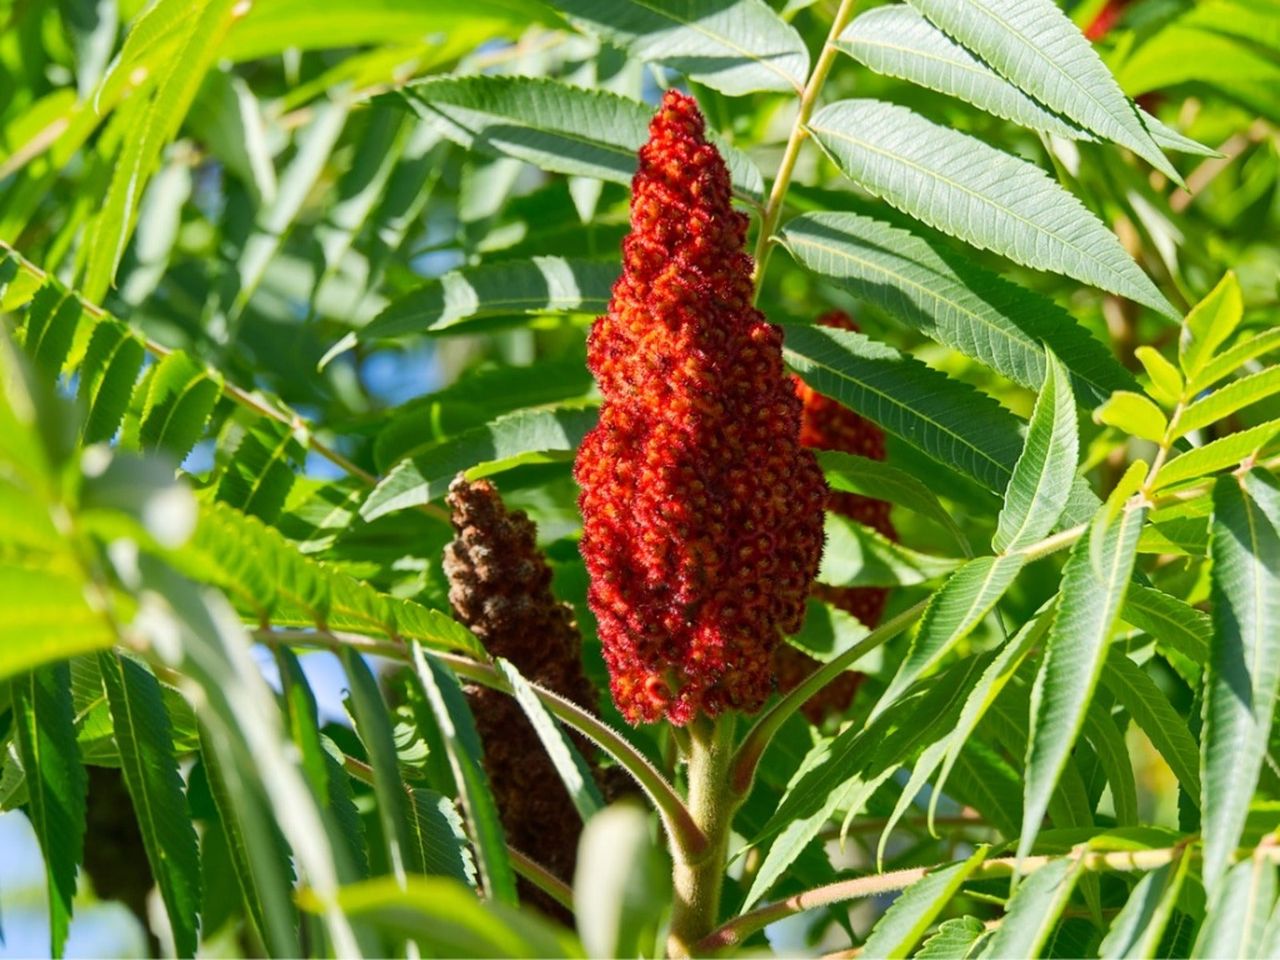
[748, 756]
[799, 131]
[676, 818]
[739, 928]
[698, 874]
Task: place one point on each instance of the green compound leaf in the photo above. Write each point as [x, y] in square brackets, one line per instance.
[981, 195]
[923, 284]
[521, 437]
[954, 611]
[1035, 46]
[374, 726]
[1229, 399]
[1135, 414]
[1209, 324]
[1143, 700]
[898, 41]
[45, 721]
[449, 304]
[1138, 927]
[736, 47]
[1033, 911]
[445, 918]
[911, 915]
[556, 127]
[462, 743]
[144, 736]
[947, 419]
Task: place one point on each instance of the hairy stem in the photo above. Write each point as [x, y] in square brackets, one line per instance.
[739, 928]
[698, 874]
[799, 131]
[675, 815]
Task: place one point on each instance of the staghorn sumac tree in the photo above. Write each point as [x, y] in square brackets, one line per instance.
[437, 519]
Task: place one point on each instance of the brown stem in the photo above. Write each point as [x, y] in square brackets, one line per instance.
[739, 928]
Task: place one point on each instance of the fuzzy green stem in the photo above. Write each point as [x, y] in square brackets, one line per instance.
[738, 929]
[799, 130]
[698, 874]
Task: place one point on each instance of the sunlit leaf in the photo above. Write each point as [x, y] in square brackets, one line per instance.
[560, 128]
[905, 922]
[1034, 45]
[1094, 583]
[1209, 324]
[735, 47]
[981, 195]
[952, 300]
[1244, 666]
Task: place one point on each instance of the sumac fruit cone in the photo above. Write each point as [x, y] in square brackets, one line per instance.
[702, 514]
[500, 587]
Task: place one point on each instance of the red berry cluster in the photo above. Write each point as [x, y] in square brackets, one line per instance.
[500, 587]
[702, 514]
[828, 425]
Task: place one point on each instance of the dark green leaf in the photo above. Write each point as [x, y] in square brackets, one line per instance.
[948, 420]
[111, 365]
[1244, 663]
[145, 739]
[952, 300]
[56, 784]
[462, 743]
[179, 401]
[375, 728]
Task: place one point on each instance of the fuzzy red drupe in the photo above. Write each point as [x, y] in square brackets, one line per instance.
[702, 513]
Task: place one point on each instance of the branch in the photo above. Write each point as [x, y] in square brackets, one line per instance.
[675, 815]
[757, 740]
[808, 99]
[276, 410]
[753, 746]
[739, 928]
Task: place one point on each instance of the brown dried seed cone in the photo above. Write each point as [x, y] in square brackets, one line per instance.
[115, 857]
[500, 587]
